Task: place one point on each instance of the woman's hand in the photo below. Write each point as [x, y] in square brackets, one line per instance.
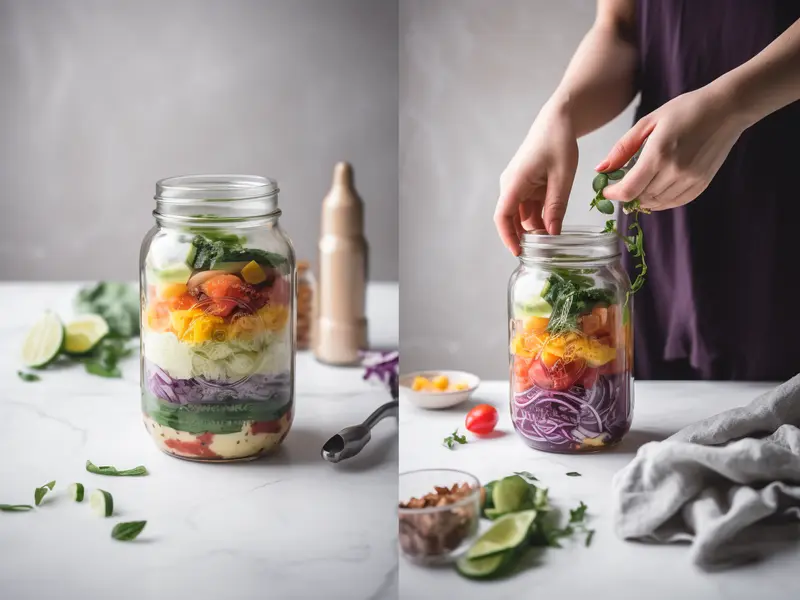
[688, 139]
[535, 186]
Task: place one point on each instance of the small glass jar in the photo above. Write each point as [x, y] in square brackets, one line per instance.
[571, 342]
[306, 293]
[217, 280]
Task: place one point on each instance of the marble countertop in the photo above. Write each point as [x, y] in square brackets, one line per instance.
[609, 567]
[284, 527]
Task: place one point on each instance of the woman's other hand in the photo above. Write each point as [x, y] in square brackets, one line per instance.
[535, 186]
[687, 138]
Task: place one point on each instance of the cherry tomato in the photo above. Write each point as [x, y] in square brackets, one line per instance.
[521, 367]
[482, 419]
[561, 376]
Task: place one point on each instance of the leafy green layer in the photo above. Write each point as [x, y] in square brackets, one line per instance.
[208, 253]
[211, 418]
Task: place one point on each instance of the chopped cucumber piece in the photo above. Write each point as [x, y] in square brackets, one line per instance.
[485, 567]
[171, 274]
[84, 333]
[43, 342]
[101, 503]
[538, 307]
[508, 532]
[76, 491]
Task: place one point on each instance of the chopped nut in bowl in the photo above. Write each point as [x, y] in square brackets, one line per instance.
[439, 514]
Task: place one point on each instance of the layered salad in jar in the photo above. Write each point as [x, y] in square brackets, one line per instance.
[571, 359]
[217, 352]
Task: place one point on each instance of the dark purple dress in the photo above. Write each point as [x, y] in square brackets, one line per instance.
[722, 296]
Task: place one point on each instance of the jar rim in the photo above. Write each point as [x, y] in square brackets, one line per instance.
[593, 242]
[214, 188]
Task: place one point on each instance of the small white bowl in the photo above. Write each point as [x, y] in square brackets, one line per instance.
[437, 400]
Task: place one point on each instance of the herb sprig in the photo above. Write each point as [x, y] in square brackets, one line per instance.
[126, 532]
[453, 439]
[28, 376]
[40, 492]
[634, 242]
[15, 507]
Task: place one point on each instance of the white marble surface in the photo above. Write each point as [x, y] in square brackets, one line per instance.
[609, 568]
[285, 527]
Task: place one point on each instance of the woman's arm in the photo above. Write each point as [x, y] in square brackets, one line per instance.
[689, 137]
[599, 82]
[597, 86]
[768, 81]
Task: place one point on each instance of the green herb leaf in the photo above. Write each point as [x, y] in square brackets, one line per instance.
[573, 474]
[40, 492]
[577, 515]
[126, 532]
[526, 475]
[605, 206]
[599, 182]
[15, 507]
[113, 471]
[616, 175]
[569, 295]
[454, 438]
[28, 376]
[104, 359]
[589, 536]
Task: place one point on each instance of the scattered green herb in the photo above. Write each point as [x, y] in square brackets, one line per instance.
[126, 532]
[15, 507]
[573, 474]
[117, 303]
[454, 438]
[634, 242]
[28, 376]
[103, 360]
[589, 536]
[40, 492]
[113, 471]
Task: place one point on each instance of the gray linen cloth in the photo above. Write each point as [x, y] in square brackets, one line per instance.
[729, 485]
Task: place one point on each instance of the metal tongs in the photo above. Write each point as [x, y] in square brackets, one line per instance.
[351, 440]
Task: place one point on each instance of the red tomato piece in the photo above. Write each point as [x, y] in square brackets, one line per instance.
[561, 376]
[589, 378]
[482, 419]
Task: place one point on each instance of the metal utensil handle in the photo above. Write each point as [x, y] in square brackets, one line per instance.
[386, 410]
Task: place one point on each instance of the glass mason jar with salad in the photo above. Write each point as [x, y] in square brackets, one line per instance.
[218, 315]
[571, 342]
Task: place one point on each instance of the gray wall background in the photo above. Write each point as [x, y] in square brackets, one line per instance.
[100, 99]
[473, 76]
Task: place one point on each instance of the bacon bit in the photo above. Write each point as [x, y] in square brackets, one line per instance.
[199, 447]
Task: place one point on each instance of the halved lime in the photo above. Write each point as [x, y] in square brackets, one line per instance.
[43, 342]
[512, 494]
[84, 333]
[507, 533]
[481, 568]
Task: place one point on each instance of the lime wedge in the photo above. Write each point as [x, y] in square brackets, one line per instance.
[507, 533]
[538, 307]
[511, 494]
[84, 333]
[43, 342]
[482, 568]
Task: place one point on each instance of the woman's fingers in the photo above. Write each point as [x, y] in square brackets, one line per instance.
[530, 214]
[506, 213]
[636, 180]
[559, 186]
[628, 145]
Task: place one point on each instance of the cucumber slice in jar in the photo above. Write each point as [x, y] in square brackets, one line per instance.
[84, 333]
[44, 342]
[76, 491]
[508, 532]
[483, 568]
[101, 503]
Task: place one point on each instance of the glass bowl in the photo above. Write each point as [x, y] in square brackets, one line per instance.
[448, 524]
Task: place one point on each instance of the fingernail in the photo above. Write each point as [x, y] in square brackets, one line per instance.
[602, 166]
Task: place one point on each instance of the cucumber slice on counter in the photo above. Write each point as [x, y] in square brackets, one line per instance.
[101, 503]
[76, 491]
[483, 568]
[84, 333]
[43, 342]
[508, 532]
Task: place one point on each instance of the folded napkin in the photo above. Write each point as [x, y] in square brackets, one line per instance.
[729, 485]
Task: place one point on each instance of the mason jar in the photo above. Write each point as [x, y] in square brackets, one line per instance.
[217, 277]
[571, 342]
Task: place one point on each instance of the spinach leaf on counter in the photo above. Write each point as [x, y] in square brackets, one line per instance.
[113, 471]
[104, 358]
[117, 303]
[28, 376]
[15, 507]
[125, 532]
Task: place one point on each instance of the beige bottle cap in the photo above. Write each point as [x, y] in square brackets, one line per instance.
[342, 208]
